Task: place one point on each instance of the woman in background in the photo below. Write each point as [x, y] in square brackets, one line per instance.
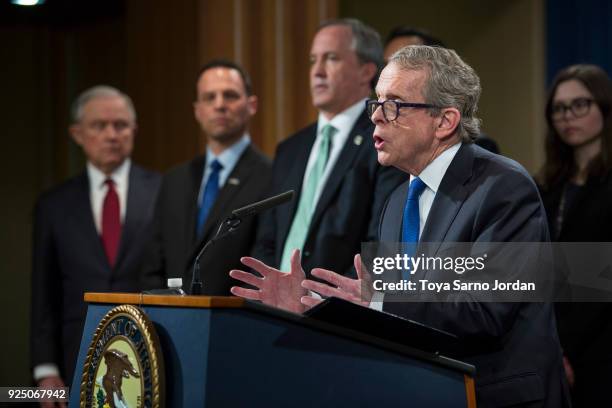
[576, 187]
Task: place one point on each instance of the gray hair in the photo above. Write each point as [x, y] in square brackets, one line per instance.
[450, 83]
[98, 91]
[366, 43]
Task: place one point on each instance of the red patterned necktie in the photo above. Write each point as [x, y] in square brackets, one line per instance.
[111, 222]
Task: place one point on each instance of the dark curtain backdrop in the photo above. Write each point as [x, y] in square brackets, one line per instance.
[578, 31]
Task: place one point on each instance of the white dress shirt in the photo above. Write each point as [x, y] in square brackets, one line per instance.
[432, 176]
[98, 190]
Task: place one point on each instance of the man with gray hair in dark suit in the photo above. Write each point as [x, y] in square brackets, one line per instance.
[425, 120]
[89, 232]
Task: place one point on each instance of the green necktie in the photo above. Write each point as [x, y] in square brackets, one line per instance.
[306, 206]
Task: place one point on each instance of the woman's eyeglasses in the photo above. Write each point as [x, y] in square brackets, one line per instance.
[579, 107]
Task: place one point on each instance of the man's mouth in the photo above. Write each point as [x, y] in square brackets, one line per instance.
[319, 87]
[378, 142]
[220, 121]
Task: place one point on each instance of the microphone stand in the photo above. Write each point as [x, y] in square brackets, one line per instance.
[231, 224]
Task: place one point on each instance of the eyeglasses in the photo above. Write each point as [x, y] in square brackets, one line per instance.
[579, 107]
[391, 108]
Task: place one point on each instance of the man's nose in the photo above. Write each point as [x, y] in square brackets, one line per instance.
[318, 68]
[378, 116]
[219, 102]
[110, 130]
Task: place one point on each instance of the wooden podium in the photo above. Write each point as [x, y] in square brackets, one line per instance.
[227, 352]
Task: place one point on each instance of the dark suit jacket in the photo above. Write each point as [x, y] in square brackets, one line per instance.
[585, 329]
[590, 217]
[488, 198]
[349, 206]
[69, 260]
[174, 245]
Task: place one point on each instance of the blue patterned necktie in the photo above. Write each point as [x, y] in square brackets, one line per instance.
[411, 219]
[211, 190]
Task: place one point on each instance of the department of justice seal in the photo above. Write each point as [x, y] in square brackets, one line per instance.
[124, 364]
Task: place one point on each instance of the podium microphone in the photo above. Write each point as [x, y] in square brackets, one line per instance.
[231, 224]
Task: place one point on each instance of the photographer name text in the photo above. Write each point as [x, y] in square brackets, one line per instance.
[456, 285]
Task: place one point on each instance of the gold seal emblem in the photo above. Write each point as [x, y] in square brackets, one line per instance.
[124, 364]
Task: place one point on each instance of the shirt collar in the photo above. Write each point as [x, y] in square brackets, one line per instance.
[433, 174]
[119, 175]
[230, 156]
[345, 119]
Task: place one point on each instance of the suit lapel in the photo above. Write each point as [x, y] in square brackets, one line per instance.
[343, 164]
[393, 229]
[134, 214]
[450, 197]
[85, 220]
[237, 179]
[196, 172]
[234, 183]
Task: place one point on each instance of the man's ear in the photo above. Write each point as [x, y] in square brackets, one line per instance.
[447, 122]
[76, 134]
[368, 70]
[252, 104]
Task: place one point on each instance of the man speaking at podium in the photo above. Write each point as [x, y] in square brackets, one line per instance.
[425, 123]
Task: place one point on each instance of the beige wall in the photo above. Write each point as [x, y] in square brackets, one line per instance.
[502, 40]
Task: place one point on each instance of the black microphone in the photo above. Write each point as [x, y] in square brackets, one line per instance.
[231, 224]
[263, 205]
